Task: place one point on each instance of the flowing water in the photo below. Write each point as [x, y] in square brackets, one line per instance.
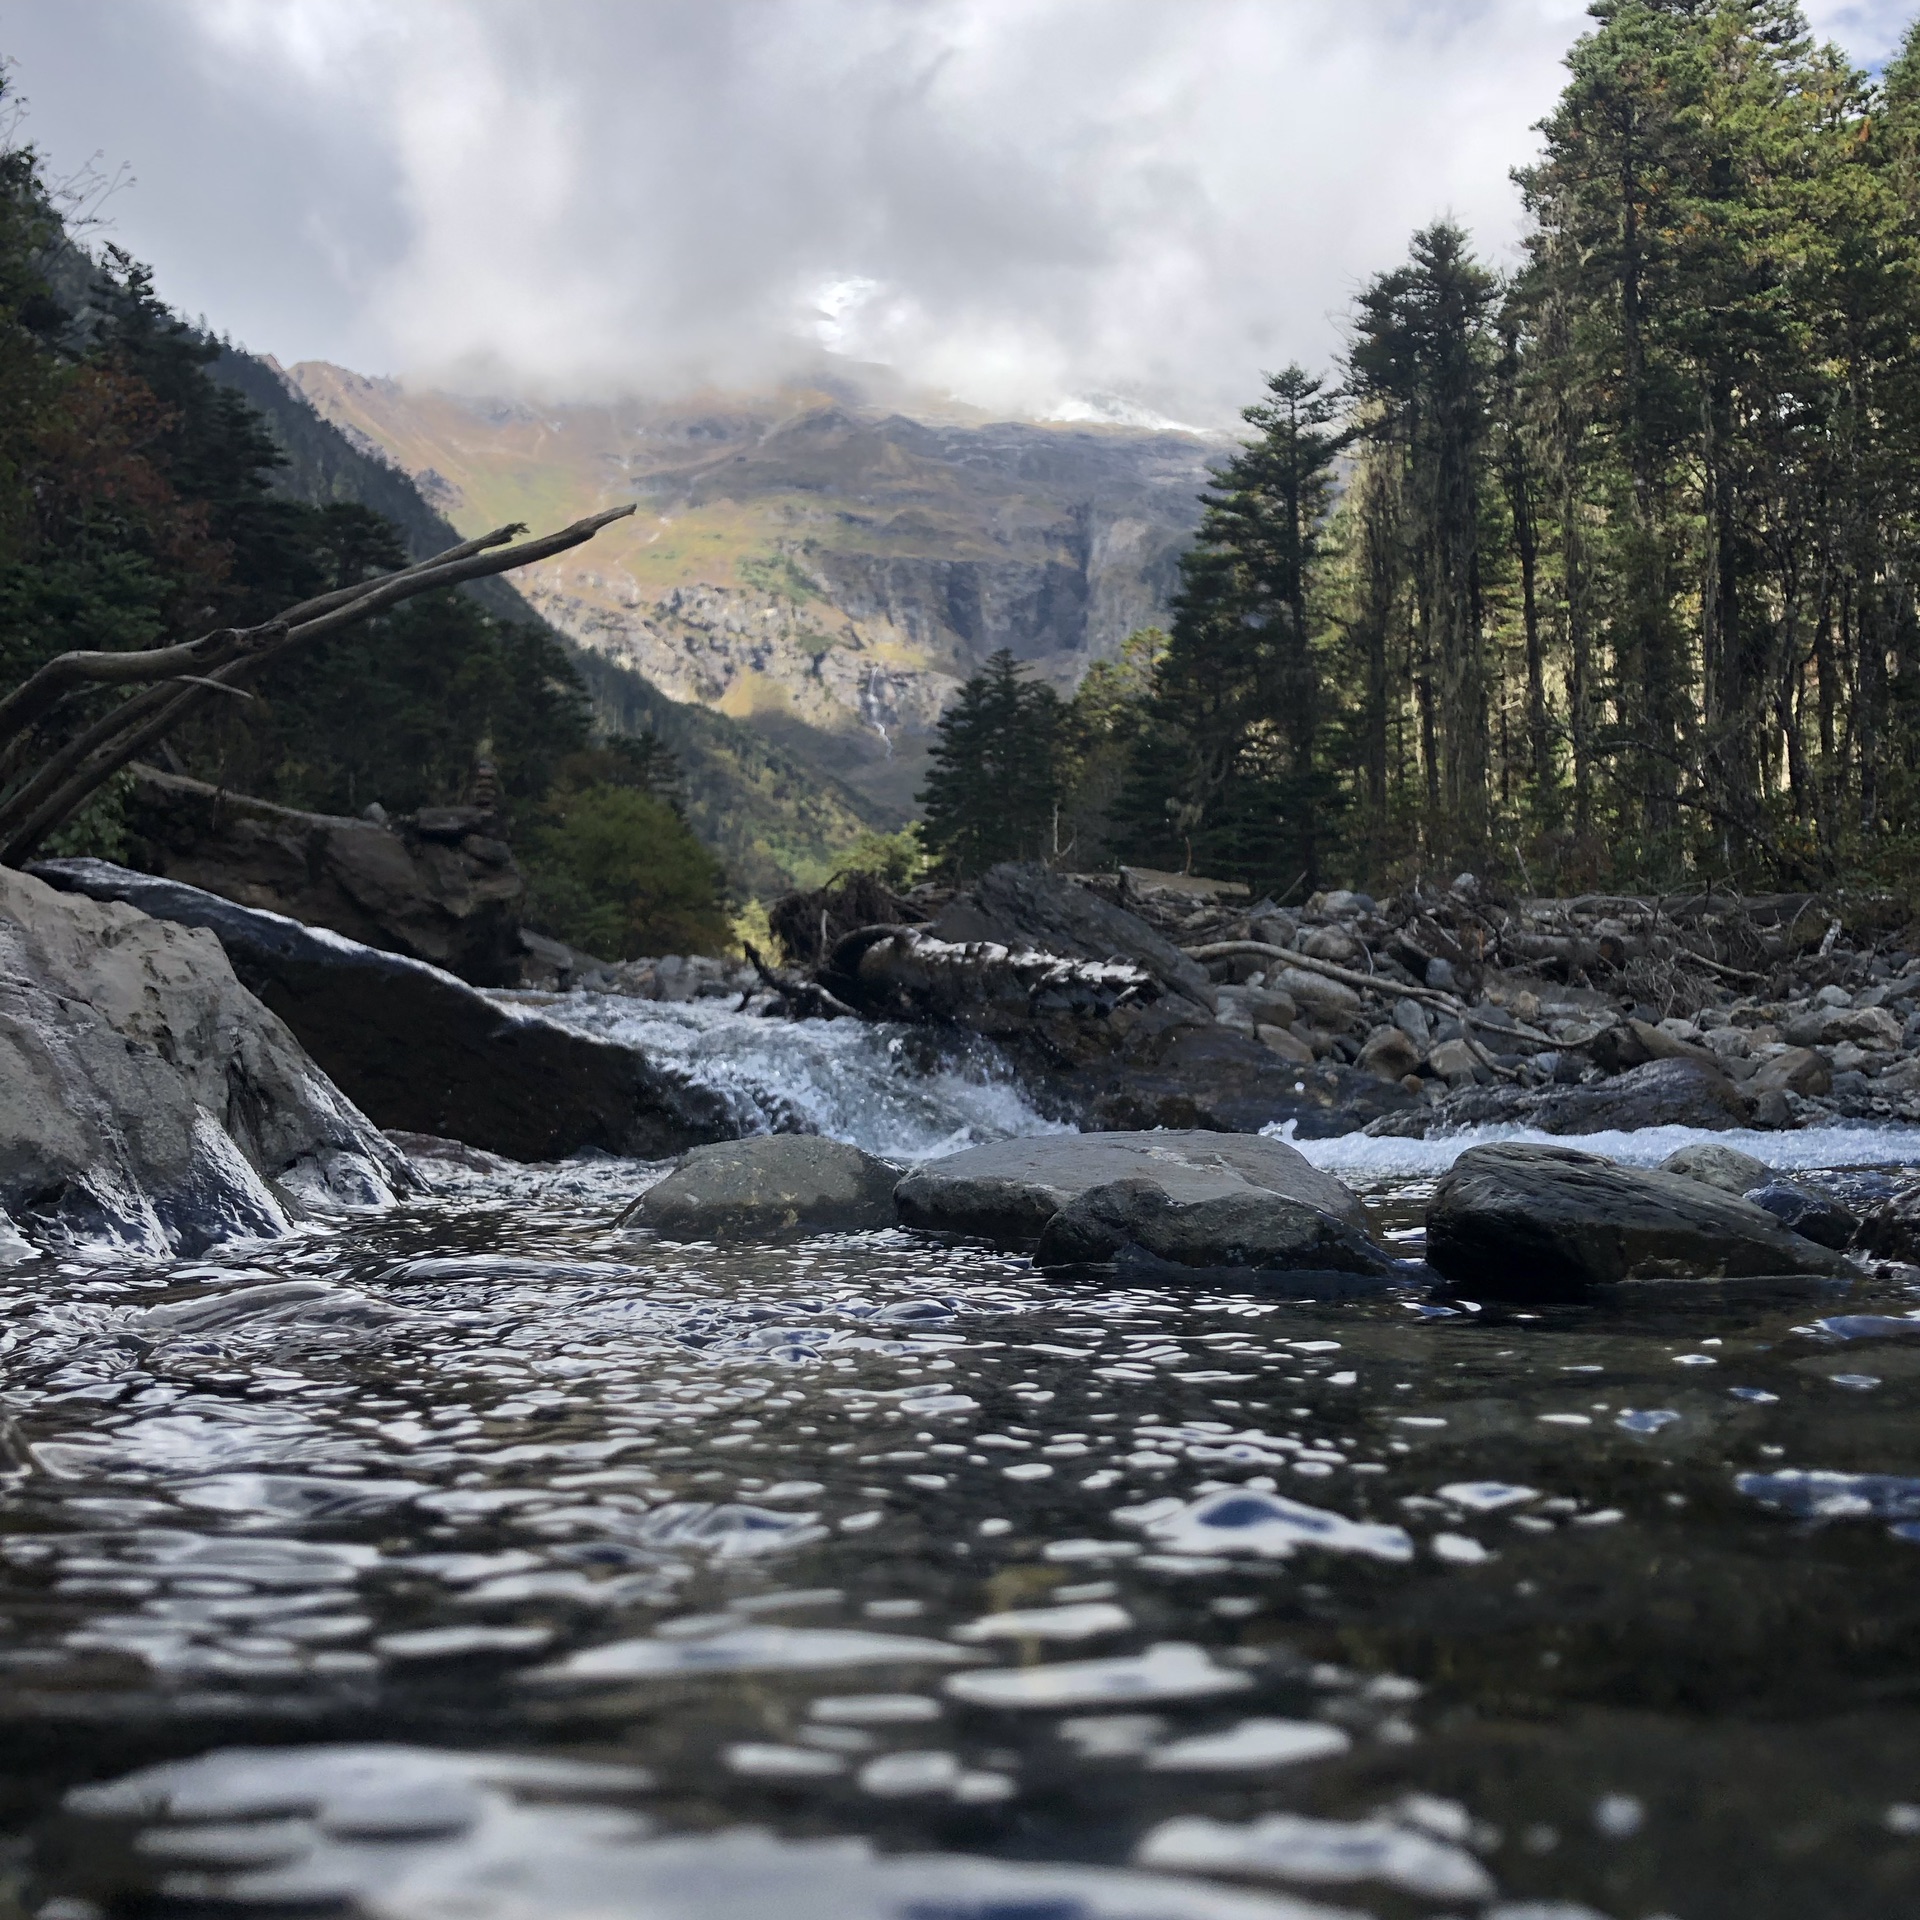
[476, 1560]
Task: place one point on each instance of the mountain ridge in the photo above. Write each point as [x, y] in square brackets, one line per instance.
[776, 820]
[824, 569]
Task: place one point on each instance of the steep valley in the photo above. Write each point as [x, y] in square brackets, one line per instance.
[807, 562]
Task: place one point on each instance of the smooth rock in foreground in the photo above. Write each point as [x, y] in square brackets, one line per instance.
[1008, 1192]
[768, 1187]
[422, 1052]
[1252, 1230]
[1546, 1223]
[147, 1099]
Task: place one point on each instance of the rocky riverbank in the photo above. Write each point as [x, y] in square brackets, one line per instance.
[1123, 997]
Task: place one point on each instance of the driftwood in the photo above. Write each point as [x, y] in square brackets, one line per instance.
[804, 999]
[178, 678]
[895, 972]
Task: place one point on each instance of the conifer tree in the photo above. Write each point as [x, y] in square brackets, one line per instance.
[994, 789]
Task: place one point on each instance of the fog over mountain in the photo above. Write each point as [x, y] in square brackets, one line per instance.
[1097, 204]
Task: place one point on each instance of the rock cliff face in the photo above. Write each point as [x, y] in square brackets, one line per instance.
[439, 887]
[818, 566]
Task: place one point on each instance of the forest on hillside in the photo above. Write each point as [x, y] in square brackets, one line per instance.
[137, 507]
[1598, 573]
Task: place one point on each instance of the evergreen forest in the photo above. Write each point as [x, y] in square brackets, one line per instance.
[138, 505]
[1596, 573]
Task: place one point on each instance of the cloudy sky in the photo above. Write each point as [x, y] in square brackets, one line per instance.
[1018, 201]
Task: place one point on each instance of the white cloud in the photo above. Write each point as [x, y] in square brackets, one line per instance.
[1020, 201]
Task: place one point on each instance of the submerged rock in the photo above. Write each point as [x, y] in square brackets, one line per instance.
[422, 1052]
[147, 1099]
[763, 1188]
[1252, 1230]
[1008, 1192]
[1547, 1223]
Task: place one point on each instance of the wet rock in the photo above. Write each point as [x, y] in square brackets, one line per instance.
[1181, 1075]
[1389, 1054]
[1726, 1168]
[1662, 1093]
[1814, 1216]
[1286, 1043]
[1799, 1070]
[422, 1052]
[1252, 1230]
[1547, 1223]
[767, 1188]
[1008, 1191]
[1891, 1231]
[146, 1098]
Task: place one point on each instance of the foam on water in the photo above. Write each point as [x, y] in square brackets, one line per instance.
[1358, 1156]
[884, 1088]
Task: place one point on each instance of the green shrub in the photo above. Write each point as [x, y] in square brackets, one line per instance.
[617, 872]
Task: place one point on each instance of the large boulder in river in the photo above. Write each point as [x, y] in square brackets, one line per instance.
[146, 1098]
[767, 1188]
[1008, 1192]
[1251, 1231]
[1547, 1223]
[1659, 1093]
[1182, 1075]
[422, 1052]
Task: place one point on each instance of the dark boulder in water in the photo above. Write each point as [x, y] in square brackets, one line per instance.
[767, 1188]
[1814, 1216]
[1892, 1230]
[1253, 1231]
[422, 1052]
[1010, 1191]
[1547, 1223]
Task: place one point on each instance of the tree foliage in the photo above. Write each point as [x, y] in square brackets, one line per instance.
[1602, 573]
[137, 504]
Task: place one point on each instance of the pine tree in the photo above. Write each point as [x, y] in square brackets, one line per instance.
[994, 789]
[1228, 773]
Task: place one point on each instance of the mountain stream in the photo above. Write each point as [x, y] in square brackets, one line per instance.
[476, 1561]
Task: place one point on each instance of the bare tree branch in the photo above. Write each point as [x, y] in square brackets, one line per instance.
[70, 777]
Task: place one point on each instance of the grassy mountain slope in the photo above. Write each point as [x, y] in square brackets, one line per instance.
[777, 818]
[806, 560]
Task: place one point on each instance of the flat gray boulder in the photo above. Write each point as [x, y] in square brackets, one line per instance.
[1547, 1223]
[768, 1188]
[147, 1100]
[1250, 1231]
[1009, 1191]
[1726, 1168]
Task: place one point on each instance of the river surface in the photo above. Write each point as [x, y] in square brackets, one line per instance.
[476, 1561]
